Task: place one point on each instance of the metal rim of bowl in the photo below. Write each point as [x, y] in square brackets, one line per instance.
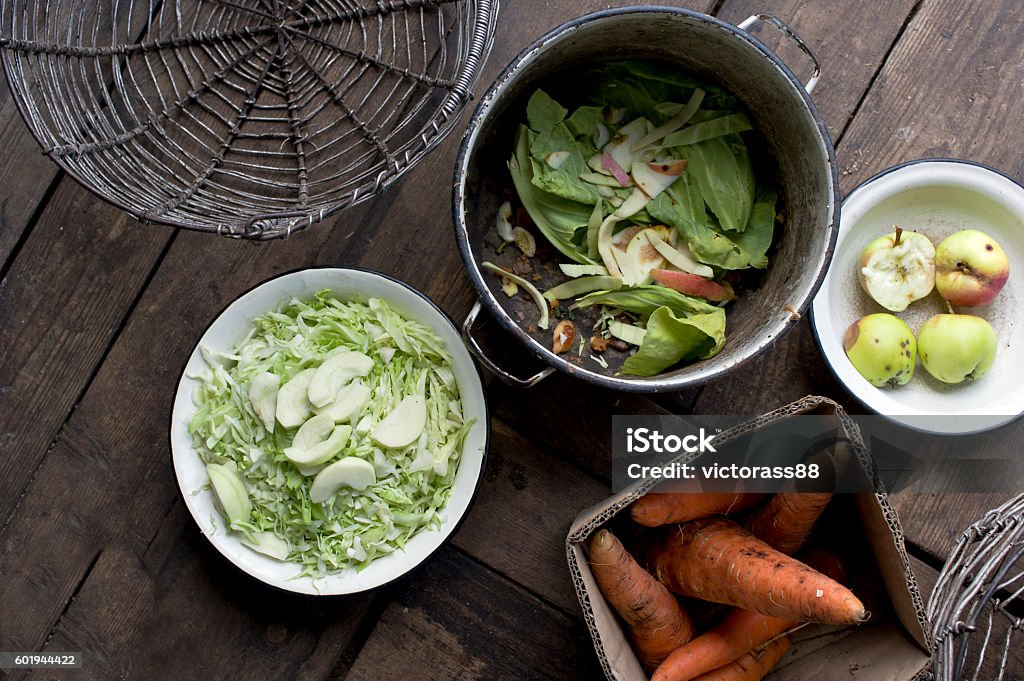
[484, 405]
[660, 383]
[894, 418]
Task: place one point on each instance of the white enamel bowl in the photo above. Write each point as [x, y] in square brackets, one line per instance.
[937, 198]
[230, 327]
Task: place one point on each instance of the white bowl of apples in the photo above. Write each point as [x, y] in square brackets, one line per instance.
[922, 327]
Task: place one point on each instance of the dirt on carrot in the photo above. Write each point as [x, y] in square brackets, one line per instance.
[657, 623]
[717, 560]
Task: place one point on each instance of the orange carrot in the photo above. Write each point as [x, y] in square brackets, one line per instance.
[738, 634]
[825, 562]
[717, 560]
[657, 623]
[661, 508]
[753, 666]
[785, 522]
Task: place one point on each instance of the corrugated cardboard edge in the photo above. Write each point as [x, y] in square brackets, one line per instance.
[883, 529]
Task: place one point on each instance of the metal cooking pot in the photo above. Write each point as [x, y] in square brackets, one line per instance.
[782, 112]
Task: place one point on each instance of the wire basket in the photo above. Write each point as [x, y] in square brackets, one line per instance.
[977, 608]
[248, 118]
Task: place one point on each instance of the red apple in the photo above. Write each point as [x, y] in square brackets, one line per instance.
[693, 285]
[970, 268]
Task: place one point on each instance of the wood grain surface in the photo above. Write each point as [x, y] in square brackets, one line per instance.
[99, 313]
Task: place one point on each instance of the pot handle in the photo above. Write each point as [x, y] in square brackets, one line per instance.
[478, 352]
[792, 35]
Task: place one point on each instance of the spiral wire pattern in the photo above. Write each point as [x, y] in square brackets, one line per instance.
[248, 118]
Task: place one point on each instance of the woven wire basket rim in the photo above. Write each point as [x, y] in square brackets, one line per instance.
[280, 224]
[969, 585]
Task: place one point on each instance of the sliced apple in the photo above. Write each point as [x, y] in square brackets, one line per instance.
[502, 221]
[654, 178]
[635, 203]
[403, 425]
[620, 174]
[594, 163]
[613, 115]
[574, 270]
[263, 396]
[525, 241]
[229, 490]
[314, 431]
[674, 123]
[627, 332]
[605, 247]
[323, 451]
[639, 260]
[348, 472]
[693, 285]
[267, 543]
[293, 406]
[620, 148]
[577, 287]
[624, 236]
[349, 401]
[680, 256]
[556, 158]
[599, 179]
[337, 370]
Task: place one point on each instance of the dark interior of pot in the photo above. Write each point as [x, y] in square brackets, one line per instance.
[801, 247]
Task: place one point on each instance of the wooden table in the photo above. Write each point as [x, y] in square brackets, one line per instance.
[98, 313]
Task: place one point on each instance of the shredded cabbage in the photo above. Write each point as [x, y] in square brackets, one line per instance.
[350, 528]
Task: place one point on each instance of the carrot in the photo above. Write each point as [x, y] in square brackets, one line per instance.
[825, 562]
[753, 666]
[657, 623]
[717, 560]
[738, 634]
[785, 522]
[661, 508]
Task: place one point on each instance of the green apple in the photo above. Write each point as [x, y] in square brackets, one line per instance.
[897, 269]
[957, 347]
[970, 268]
[882, 348]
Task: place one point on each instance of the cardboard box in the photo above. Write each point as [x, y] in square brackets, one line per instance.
[891, 646]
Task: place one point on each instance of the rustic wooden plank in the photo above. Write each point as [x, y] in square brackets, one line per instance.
[569, 418]
[934, 521]
[26, 182]
[849, 37]
[455, 619]
[61, 304]
[973, 51]
[136, 615]
[793, 367]
[521, 515]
